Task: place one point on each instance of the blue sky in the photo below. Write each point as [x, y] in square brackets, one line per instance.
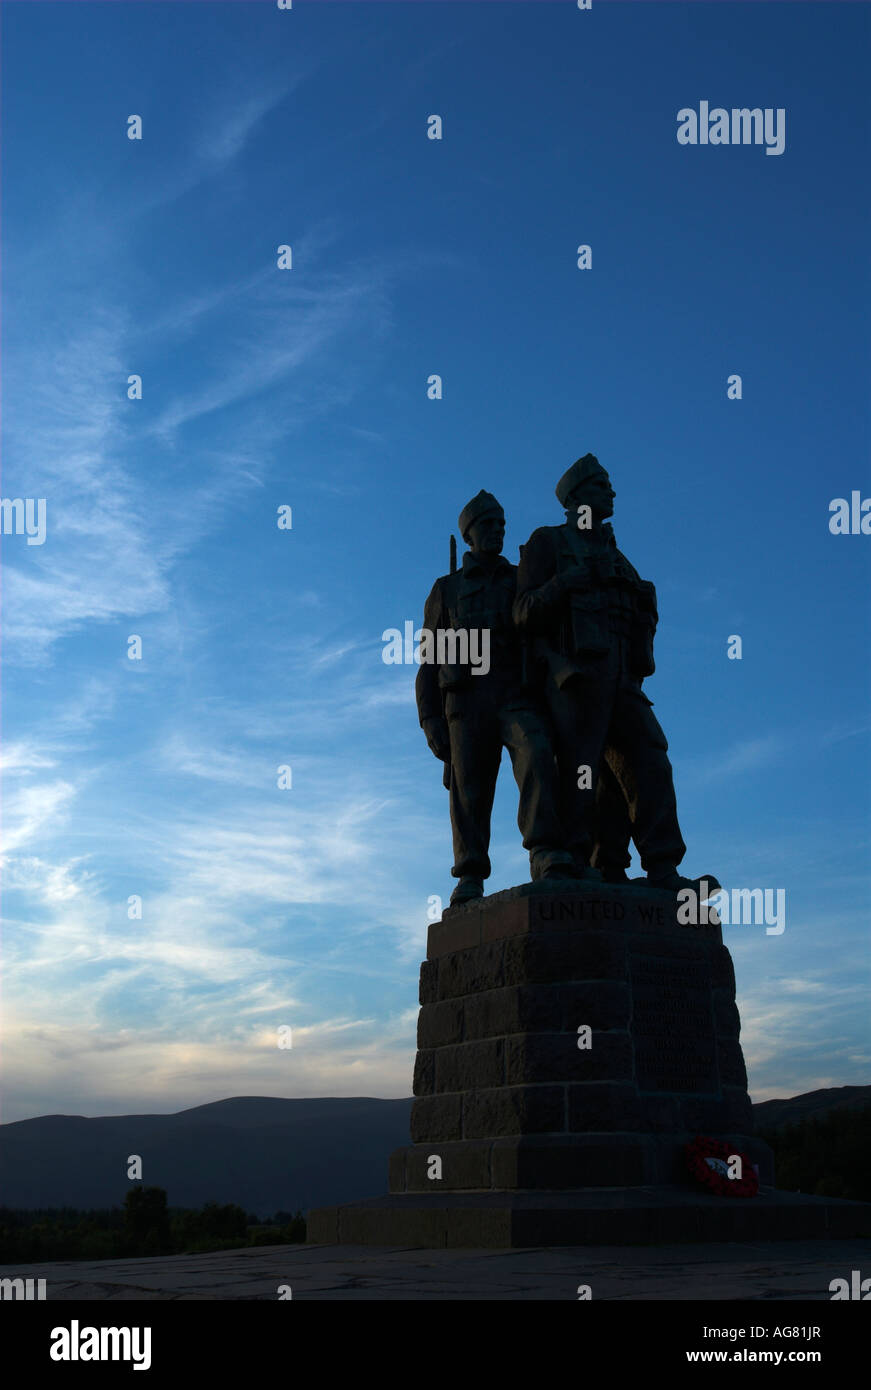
[307, 907]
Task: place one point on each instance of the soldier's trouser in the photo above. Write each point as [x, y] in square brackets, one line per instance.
[613, 826]
[613, 712]
[477, 739]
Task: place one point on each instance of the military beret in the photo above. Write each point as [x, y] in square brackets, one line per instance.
[580, 470]
[479, 506]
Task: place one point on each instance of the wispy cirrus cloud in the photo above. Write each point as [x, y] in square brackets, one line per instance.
[226, 130]
[747, 755]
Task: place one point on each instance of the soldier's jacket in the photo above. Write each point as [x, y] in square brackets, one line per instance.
[474, 597]
[569, 633]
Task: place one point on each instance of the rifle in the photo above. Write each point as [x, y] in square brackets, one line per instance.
[446, 775]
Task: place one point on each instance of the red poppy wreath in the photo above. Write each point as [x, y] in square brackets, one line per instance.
[708, 1164]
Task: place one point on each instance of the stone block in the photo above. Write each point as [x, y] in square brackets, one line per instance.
[463, 1165]
[424, 1072]
[727, 1020]
[440, 1023]
[556, 1057]
[472, 970]
[508, 1110]
[845, 1219]
[424, 1228]
[455, 932]
[563, 956]
[565, 1162]
[604, 1105]
[602, 1004]
[429, 982]
[730, 1060]
[436, 1118]
[468, 1066]
[480, 1228]
[757, 1151]
[739, 1110]
[506, 919]
[670, 1163]
[512, 1009]
[674, 946]
[396, 1171]
[530, 1008]
[322, 1226]
[661, 1113]
[704, 1114]
[722, 970]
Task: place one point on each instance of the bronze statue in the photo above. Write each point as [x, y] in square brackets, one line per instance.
[590, 620]
[469, 715]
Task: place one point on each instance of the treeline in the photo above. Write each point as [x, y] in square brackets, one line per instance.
[145, 1225]
[826, 1156]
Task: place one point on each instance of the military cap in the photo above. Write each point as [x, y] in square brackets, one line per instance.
[479, 506]
[580, 470]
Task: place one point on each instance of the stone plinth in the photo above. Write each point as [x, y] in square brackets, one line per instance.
[660, 1215]
[520, 1137]
[506, 1097]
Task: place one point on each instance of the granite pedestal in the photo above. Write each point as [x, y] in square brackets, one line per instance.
[571, 1039]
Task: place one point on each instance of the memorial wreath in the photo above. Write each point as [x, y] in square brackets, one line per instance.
[708, 1163]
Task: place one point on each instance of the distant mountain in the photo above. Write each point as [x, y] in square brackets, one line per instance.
[261, 1152]
[775, 1114]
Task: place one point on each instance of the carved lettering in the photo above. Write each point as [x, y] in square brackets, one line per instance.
[673, 1026]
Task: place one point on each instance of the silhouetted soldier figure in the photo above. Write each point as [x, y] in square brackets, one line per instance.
[591, 619]
[468, 719]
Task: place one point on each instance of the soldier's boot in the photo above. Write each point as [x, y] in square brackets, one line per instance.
[466, 890]
[614, 873]
[584, 869]
[667, 876]
[551, 863]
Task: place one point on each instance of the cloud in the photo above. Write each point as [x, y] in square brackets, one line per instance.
[288, 328]
[840, 732]
[797, 1033]
[748, 755]
[53, 884]
[225, 133]
[33, 809]
[96, 563]
[23, 756]
[97, 1070]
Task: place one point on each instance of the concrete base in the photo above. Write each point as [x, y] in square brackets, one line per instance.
[604, 1216]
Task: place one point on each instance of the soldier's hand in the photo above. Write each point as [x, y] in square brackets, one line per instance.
[436, 731]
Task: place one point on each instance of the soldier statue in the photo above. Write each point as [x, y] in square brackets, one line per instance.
[589, 620]
[469, 717]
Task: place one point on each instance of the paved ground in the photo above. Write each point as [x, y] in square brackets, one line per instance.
[771, 1270]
